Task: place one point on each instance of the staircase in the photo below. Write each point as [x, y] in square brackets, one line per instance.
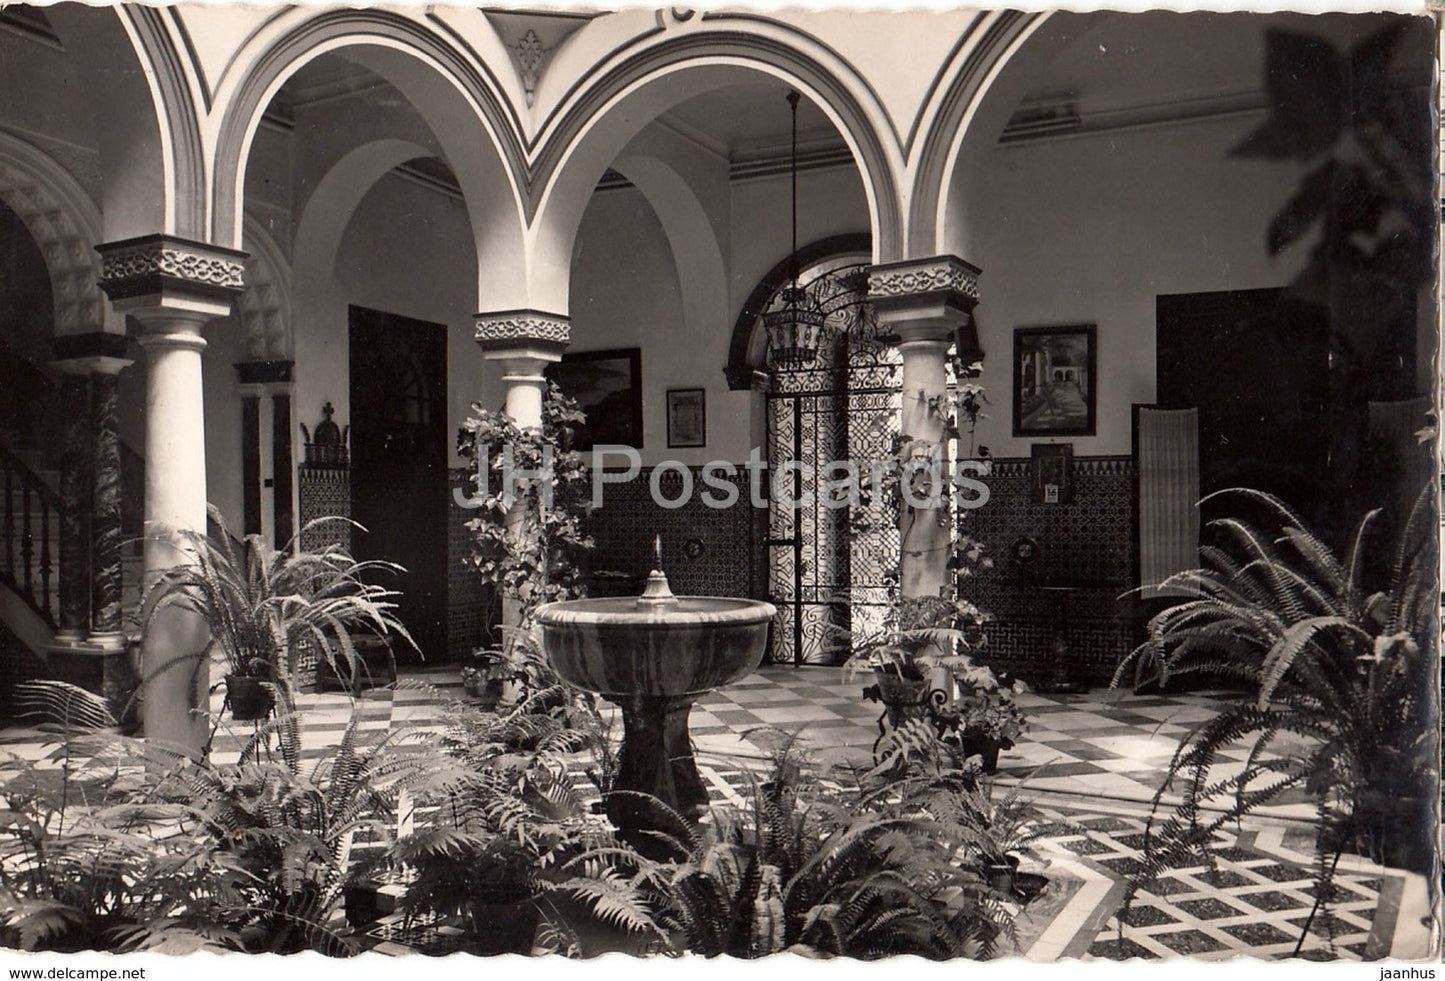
[30, 535]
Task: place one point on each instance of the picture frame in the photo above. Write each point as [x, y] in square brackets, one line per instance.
[1055, 380]
[686, 417]
[1051, 473]
[607, 386]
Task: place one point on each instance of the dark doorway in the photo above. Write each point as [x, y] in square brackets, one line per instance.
[1256, 365]
[399, 464]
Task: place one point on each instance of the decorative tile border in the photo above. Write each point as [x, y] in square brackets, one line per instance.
[1087, 543]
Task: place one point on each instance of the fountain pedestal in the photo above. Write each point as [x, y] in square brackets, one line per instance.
[655, 655]
[656, 760]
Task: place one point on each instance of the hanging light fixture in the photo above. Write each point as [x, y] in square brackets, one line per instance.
[795, 325]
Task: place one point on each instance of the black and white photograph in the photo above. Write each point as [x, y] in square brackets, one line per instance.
[935, 487]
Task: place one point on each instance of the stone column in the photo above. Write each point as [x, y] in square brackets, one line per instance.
[923, 302]
[77, 466]
[173, 287]
[523, 342]
[90, 648]
[106, 628]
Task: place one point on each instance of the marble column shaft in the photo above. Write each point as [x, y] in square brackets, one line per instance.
[105, 511]
[77, 466]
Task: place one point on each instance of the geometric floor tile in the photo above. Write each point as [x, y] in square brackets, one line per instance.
[1093, 759]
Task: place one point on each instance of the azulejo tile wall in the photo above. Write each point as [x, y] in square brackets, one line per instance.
[1077, 633]
[705, 551]
[323, 492]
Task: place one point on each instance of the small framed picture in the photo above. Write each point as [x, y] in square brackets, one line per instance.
[686, 417]
[1054, 387]
[1051, 467]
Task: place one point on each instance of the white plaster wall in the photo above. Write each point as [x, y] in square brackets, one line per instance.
[408, 250]
[625, 293]
[1091, 229]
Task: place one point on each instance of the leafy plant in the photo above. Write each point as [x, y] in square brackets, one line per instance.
[802, 873]
[529, 538]
[82, 866]
[1369, 195]
[1341, 672]
[298, 839]
[264, 606]
[499, 840]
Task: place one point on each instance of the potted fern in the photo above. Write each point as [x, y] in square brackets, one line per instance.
[1337, 654]
[263, 606]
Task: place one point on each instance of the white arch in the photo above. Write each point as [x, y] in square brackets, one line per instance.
[145, 121]
[979, 102]
[599, 124]
[697, 255]
[462, 112]
[66, 225]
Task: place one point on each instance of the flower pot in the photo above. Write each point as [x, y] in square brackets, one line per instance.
[250, 699]
[1003, 876]
[1395, 830]
[504, 928]
[904, 698]
[986, 747]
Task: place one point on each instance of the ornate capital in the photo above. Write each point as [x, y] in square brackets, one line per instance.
[156, 267]
[914, 278]
[924, 298]
[523, 330]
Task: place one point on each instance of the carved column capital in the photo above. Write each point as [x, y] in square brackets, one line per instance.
[523, 333]
[168, 271]
[925, 297]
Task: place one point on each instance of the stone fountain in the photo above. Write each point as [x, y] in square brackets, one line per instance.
[654, 655]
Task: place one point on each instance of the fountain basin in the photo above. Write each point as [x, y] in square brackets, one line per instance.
[654, 656]
[616, 648]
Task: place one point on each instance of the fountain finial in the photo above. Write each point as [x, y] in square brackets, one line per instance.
[657, 591]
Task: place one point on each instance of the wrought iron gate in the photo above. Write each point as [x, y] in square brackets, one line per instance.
[828, 568]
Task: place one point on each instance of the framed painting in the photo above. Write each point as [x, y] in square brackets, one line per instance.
[686, 417]
[1055, 381]
[608, 388]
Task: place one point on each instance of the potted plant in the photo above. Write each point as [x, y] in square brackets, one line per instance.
[1339, 656]
[486, 675]
[990, 719]
[923, 647]
[263, 605]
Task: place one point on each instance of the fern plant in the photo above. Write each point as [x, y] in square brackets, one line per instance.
[82, 866]
[1341, 675]
[264, 606]
[797, 871]
[492, 847]
[299, 837]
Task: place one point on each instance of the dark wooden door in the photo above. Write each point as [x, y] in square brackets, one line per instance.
[398, 464]
[1256, 365]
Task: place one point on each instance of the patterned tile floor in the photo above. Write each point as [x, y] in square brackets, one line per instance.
[1092, 760]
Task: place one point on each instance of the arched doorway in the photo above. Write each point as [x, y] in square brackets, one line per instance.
[830, 566]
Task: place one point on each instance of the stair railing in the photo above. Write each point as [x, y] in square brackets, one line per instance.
[32, 537]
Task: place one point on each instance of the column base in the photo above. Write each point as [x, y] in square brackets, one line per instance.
[103, 669]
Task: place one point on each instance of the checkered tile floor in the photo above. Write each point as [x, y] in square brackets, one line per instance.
[1094, 760]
